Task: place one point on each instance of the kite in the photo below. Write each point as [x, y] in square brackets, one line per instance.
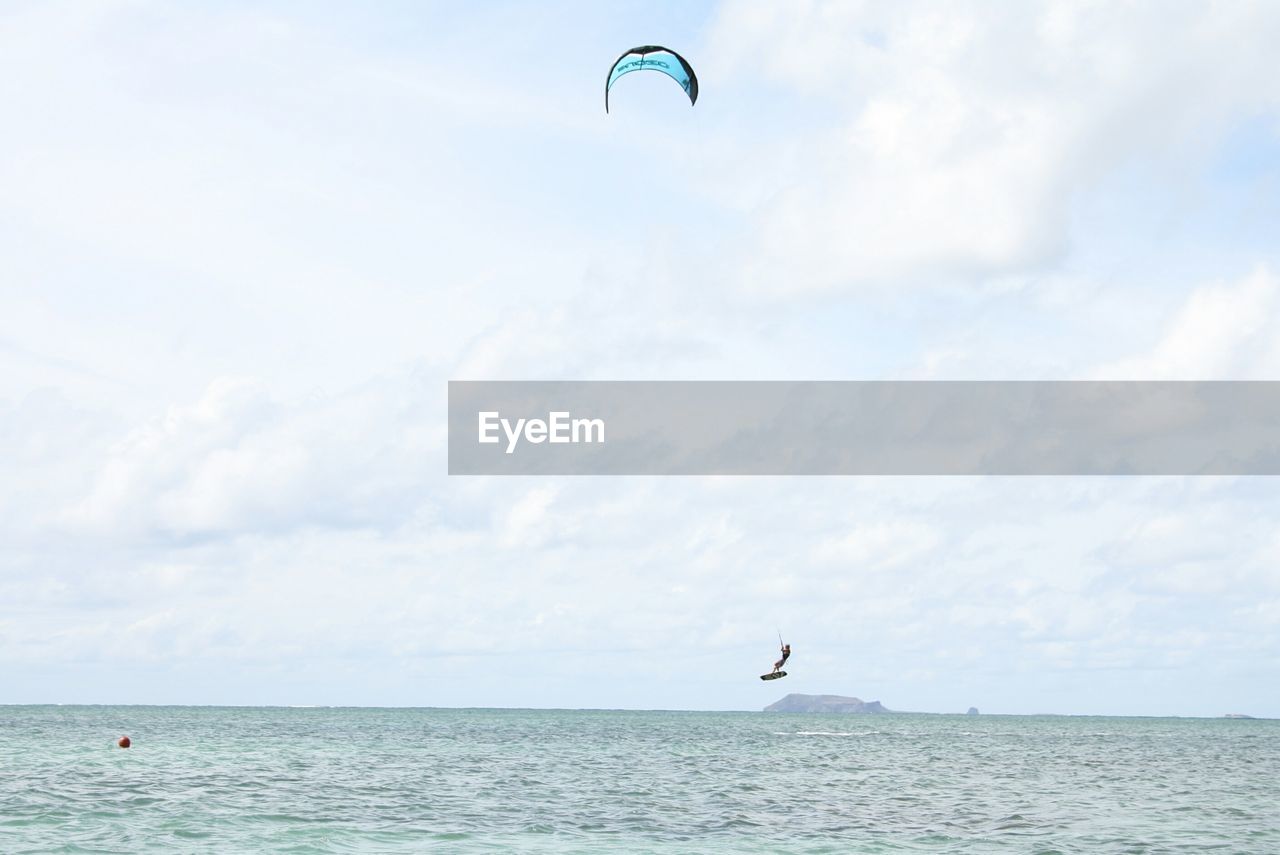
[654, 58]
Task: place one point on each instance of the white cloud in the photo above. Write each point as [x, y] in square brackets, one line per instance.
[236, 460]
[530, 521]
[880, 545]
[954, 141]
[1224, 331]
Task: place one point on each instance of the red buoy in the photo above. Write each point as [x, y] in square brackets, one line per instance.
[123, 742]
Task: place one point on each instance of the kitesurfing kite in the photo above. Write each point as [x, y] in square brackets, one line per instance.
[654, 58]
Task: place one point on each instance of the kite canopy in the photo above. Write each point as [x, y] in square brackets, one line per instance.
[654, 58]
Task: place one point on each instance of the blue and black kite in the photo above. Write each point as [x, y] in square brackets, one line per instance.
[654, 58]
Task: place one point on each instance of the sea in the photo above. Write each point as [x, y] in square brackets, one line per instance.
[245, 779]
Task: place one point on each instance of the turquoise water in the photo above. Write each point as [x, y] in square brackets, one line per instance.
[207, 779]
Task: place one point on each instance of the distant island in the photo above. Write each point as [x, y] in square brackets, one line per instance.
[825, 704]
[1237, 715]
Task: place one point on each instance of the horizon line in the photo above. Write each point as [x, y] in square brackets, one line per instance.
[1227, 716]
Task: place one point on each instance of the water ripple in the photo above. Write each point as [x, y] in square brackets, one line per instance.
[346, 780]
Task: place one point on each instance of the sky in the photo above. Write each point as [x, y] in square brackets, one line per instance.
[243, 248]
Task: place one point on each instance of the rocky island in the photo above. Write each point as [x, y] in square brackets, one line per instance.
[825, 704]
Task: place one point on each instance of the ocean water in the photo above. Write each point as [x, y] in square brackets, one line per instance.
[209, 779]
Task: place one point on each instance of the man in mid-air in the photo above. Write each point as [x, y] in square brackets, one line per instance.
[786, 654]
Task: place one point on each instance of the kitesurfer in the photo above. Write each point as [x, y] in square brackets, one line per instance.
[786, 654]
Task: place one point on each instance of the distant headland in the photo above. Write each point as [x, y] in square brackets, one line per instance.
[825, 704]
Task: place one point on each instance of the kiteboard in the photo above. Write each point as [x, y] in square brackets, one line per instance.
[774, 676]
